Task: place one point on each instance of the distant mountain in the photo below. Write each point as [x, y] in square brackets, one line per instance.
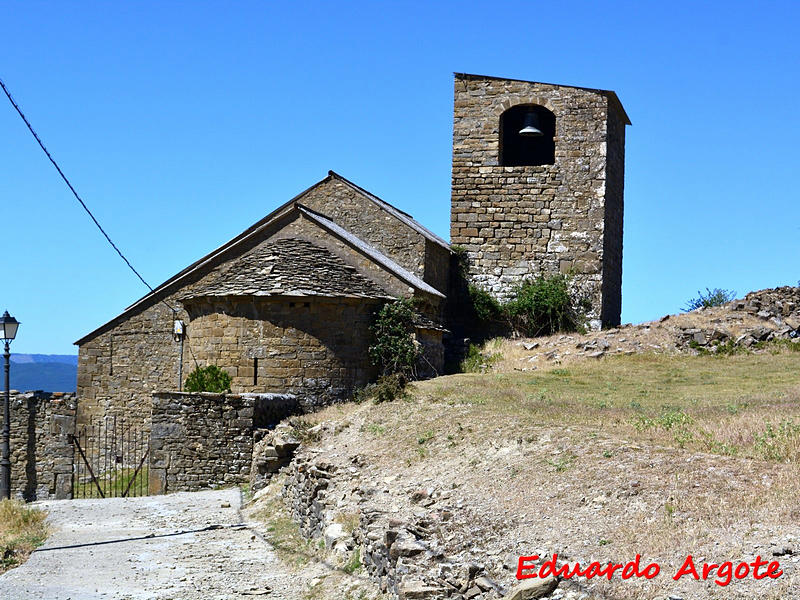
[48, 372]
[68, 359]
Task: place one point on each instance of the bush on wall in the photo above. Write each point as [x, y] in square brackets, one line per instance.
[208, 379]
[540, 306]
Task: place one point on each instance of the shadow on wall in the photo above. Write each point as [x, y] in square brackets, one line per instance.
[316, 349]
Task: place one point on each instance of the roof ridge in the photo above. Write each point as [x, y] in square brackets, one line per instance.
[255, 229]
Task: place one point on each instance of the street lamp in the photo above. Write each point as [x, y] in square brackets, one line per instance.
[8, 331]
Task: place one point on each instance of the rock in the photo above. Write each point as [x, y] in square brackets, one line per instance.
[530, 345]
[285, 445]
[406, 546]
[268, 464]
[598, 354]
[528, 589]
[333, 533]
[419, 590]
[761, 333]
[485, 583]
[420, 494]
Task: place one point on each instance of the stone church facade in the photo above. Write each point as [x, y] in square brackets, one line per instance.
[286, 306]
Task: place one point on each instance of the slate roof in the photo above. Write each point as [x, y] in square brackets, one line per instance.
[370, 251]
[287, 267]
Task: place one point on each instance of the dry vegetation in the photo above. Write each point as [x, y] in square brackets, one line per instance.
[327, 574]
[22, 530]
[655, 454]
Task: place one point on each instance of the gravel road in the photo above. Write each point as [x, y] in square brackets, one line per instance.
[179, 546]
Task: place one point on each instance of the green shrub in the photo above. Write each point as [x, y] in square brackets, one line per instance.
[476, 361]
[542, 306]
[208, 379]
[386, 389]
[715, 297]
[778, 442]
[485, 306]
[393, 349]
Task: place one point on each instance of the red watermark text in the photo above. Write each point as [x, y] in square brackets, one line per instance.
[529, 567]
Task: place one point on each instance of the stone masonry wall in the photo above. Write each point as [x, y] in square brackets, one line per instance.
[41, 453]
[200, 440]
[313, 348]
[349, 209]
[119, 369]
[518, 222]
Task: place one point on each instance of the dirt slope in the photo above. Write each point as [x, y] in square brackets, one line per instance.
[667, 443]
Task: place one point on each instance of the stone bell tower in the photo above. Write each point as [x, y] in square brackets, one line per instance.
[538, 177]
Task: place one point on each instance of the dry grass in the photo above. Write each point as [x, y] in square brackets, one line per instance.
[657, 454]
[281, 532]
[739, 405]
[329, 574]
[22, 530]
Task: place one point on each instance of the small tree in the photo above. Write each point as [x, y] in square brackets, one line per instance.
[393, 350]
[208, 379]
[715, 297]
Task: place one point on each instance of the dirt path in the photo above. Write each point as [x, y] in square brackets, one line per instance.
[180, 546]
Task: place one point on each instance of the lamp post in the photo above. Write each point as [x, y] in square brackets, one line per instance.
[8, 331]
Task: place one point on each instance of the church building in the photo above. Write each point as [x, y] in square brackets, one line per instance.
[286, 306]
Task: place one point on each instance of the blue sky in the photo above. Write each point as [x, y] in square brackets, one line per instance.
[182, 123]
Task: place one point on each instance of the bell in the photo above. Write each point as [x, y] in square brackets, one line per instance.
[531, 126]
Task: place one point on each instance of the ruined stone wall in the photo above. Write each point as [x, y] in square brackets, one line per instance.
[41, 453]
[523, 221]
[199, 440]
[314, 348]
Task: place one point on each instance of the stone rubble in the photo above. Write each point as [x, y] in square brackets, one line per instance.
[763, 316]
[411, 558]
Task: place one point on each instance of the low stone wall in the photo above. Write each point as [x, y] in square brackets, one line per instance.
[41, 453]
[199, 441]
[203, 440]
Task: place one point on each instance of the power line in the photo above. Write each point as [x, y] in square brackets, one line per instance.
[72, 189]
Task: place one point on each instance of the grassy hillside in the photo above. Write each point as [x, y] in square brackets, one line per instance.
[654, 454]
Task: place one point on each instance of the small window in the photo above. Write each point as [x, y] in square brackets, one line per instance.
[526, 136]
